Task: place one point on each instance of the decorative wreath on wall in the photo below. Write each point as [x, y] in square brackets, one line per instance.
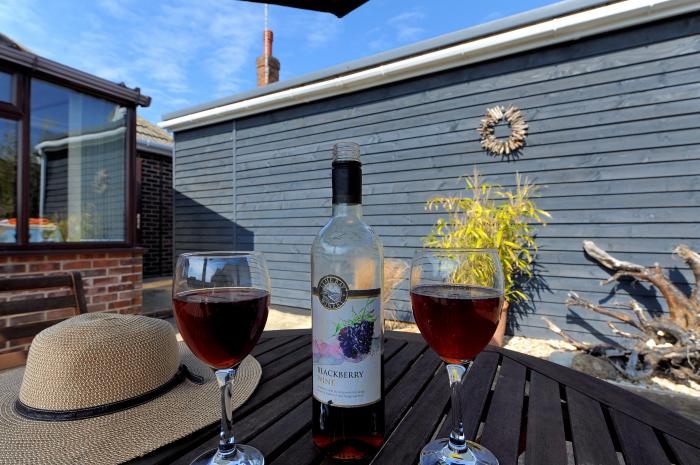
[518, 130]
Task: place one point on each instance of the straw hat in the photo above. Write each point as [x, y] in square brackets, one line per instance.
[106, 388]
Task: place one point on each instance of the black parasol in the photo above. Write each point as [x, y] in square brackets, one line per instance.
[338, 7]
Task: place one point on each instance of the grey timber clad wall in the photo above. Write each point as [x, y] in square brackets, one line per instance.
[614, 133]
[203, 189]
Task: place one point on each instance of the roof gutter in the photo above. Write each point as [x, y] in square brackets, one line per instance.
[575, 26]
[147, 145]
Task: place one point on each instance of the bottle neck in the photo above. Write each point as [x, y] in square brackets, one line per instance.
[347, 209]
[347, 183]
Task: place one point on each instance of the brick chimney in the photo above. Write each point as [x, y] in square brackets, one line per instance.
[267, 65]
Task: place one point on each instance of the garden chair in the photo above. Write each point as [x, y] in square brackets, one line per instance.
[26, 310]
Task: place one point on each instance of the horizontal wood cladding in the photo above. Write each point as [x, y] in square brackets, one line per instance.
[613, 143]
[203, 188]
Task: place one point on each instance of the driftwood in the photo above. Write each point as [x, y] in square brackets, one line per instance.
[666, 345]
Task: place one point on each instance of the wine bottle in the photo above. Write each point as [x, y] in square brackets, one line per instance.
[347, 321]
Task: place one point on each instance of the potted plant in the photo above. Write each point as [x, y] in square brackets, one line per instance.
[493, 217]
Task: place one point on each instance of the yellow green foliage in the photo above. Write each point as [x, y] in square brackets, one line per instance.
[492, 217]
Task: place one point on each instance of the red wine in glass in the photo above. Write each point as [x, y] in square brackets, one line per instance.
[220, 301]
[456, 296]
[457, 322]
[221, 325]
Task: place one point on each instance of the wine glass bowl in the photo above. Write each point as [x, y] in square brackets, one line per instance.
[219, 337]
[457, 322]
[220, 302]
[456, 296]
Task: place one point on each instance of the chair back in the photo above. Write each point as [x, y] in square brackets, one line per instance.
[25, 315]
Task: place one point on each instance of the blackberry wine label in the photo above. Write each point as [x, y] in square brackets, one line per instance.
[346, 344]
[347, 321]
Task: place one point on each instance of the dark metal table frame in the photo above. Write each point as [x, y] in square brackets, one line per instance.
[516, 405]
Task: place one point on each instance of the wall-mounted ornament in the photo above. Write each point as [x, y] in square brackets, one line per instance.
[518, 130]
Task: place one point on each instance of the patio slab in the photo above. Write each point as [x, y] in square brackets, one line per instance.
[156, 296]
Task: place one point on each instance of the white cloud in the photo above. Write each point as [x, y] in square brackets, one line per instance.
[120, 9]
[237, 36]
[400, 29]
[21, 22]
[406, 27]
[314, 30]
[167, 49]
[321, 29]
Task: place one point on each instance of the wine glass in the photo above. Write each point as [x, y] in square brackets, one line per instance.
[221, 303]
[456, 295]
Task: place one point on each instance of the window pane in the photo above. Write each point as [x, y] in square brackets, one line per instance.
[78, 167]
[5, 87]
[8, 180]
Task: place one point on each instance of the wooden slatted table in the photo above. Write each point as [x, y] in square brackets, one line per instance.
[524, 409]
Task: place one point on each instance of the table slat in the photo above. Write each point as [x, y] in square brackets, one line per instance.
[638, 441]
[264, 415]
[475, 391]
[415, 430]
[259, 419]
[589, 430]
[404, 359]
[401, 397]
[271, 343]
[546, 444]
[685, 453]
[287, 378]
[622, 400]
[502, 429]
[283, 432]
[301, 452]
[287, 375]
[281, 350]
[295, 350]
[391, 347]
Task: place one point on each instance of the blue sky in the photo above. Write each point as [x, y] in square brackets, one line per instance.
[185, 52]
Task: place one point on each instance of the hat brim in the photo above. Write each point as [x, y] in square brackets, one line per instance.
[123, 435]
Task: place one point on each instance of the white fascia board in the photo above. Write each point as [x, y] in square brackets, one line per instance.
[607, 18]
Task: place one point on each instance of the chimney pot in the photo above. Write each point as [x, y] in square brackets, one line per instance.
[268, 67]
[267, 42]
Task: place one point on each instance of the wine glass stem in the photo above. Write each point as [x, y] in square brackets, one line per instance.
[456, 373]
[227, 443]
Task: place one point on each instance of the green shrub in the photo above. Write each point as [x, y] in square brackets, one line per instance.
[492, 217]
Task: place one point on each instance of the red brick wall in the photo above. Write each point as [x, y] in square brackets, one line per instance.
[112, 281]
[156, 208]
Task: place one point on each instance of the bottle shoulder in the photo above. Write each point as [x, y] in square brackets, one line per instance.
[345, 231]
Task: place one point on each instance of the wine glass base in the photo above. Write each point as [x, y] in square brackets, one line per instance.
[245, 455]
[438, 453]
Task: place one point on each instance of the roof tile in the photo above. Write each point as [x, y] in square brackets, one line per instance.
[146, 131]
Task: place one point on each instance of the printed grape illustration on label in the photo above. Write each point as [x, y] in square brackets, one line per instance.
[346, 345]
